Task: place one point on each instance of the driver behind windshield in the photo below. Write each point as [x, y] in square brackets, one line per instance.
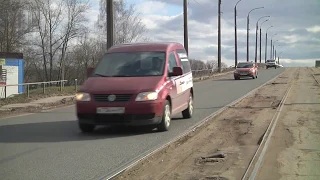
[156, 64]
[131, 64]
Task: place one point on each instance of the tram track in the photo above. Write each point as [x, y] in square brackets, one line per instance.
[256, 161]
[131, 171]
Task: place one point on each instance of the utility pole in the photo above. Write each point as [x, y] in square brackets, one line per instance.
[266, 48]
[260, 37]
[248, 38]
[219, 36]
[266, 45]
[110, 25]
[279, 57]
[275, 54]
[235, 36]
[260, 45]
[256, 50]
[248, 31]
[185, 25]
[62, 70]
[271, 49]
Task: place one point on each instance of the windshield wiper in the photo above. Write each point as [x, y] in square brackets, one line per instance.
[101, 75]
[120, 76]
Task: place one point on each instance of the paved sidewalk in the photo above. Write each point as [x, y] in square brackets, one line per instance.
[39, 103]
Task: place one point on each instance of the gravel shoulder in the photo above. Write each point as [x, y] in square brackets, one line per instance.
[294, 151]
[222, 147]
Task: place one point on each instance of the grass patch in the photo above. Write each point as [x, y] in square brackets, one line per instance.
[38, 94]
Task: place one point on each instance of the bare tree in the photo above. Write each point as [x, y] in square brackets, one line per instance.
[128, 23]
[47, 19]
[13, 25]
[74, 26]
[197, 64]
[57, 23]
[86, 54]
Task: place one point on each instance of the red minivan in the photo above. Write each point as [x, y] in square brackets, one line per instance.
[137, 84]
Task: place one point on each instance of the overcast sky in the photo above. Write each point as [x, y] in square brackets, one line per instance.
[296, 22]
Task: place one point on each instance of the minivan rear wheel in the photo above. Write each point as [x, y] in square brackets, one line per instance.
[166, 117]
[187, 113]
[86, 128]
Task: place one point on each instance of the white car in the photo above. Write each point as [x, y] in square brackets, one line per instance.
[271, 63]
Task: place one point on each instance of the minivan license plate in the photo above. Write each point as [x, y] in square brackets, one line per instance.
[110, 110]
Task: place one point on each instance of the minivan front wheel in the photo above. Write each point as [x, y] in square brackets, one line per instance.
[166, 117]
[187, 113]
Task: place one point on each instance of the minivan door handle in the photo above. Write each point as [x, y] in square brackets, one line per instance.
[181, 82]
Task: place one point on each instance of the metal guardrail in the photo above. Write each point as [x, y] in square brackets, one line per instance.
[208, 72]
[34, 85]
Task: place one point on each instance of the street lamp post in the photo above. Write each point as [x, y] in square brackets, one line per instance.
[235, 36]
[256, 47]
[260, 38]
[219, 35]
[266, 45]
[279, 58]
[271, 50]
[275, 51]
[248, 31]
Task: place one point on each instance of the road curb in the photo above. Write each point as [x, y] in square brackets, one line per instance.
[213, 76]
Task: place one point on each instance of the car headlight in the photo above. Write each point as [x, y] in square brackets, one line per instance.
[83, 97]
[147, 96]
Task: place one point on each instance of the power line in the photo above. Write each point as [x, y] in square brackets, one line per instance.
[197, 2]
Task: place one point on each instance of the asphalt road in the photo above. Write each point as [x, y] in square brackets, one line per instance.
[49, 145]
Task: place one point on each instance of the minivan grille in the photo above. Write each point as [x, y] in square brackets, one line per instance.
[118, 97]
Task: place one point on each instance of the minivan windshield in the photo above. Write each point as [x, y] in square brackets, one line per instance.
[131, 64]
[245, 65]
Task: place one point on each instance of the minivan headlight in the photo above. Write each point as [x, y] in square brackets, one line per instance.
[147, 96]
[83, 96]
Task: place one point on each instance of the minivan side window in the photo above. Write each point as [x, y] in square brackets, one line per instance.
[184, 61]
[172, 62]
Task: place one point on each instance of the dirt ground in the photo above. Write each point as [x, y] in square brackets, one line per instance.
[223, 147]
[35, 109]
[294, 151]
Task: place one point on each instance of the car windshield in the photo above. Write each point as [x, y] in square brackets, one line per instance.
[270, 61]
[131, 64]
[244, 65]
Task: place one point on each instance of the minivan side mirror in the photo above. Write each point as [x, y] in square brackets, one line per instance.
[177, 71]
[89, 71]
